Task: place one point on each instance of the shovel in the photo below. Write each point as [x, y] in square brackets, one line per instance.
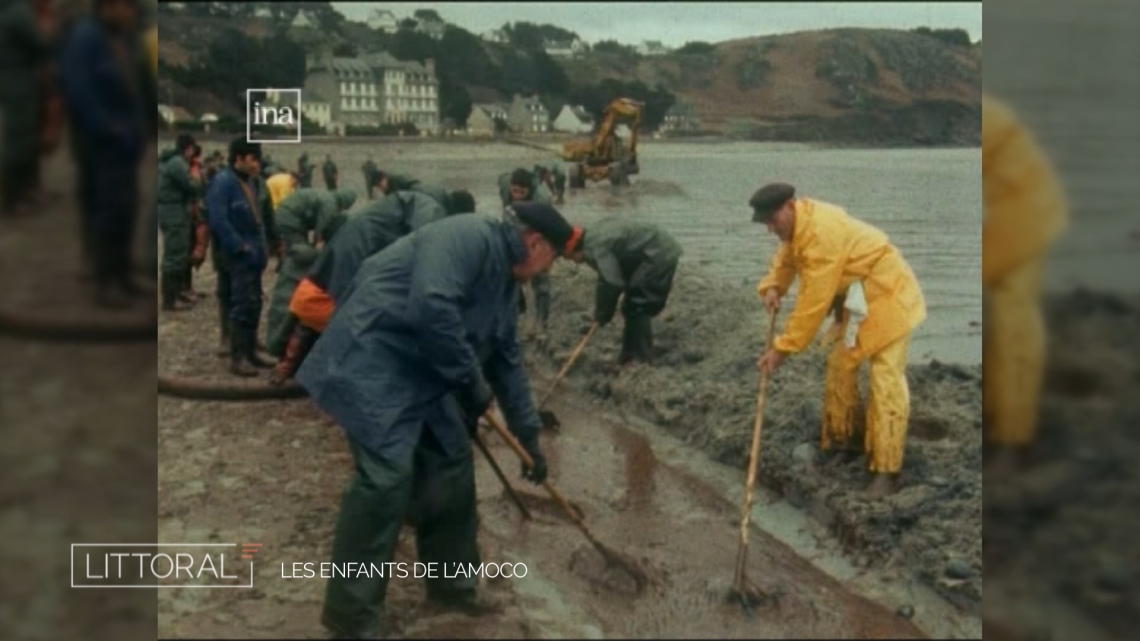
[613, 558]
[741, 588]
[549, 421]
[502, 477]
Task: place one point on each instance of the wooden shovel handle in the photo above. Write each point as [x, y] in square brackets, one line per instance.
[569, 363]
[529, 463]
[753, 463]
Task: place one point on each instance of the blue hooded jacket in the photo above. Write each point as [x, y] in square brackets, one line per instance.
[236, 225]
[427, 315]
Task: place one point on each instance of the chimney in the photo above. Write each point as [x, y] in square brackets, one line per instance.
[429, 64]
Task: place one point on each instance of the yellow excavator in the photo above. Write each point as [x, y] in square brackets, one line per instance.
[605, 155]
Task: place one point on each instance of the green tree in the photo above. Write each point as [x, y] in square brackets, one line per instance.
[550, 77]
[345, 50]
[696, 47]
[428, 15]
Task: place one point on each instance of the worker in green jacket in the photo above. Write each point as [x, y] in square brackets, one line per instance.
[330, 172]
[517, 187]
[304, 211]
[634, 258]
[554, 178]
[177, 191]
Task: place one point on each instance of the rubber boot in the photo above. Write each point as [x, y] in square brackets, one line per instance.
[171, 288]
[300, 342]
[239, 347]
[637, 340]
[187, 281]
[224, 326]
[251, 350]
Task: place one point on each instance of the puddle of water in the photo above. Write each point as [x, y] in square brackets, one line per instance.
[719, 484]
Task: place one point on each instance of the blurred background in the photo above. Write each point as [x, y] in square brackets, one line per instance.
[77, 391]
[1060, 534]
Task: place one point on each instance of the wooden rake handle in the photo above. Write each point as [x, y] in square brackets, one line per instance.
[753, 464]
[569, 363]
[529, 463]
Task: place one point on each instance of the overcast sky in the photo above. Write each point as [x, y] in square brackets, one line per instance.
[674, 24]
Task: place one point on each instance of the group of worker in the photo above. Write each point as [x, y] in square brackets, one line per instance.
[404, 329]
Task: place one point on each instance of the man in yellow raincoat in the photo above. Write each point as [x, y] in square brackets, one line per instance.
[1025, 213]
[836, 256]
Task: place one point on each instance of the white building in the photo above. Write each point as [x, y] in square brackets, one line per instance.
[564, 49]
[383, 21]
[303, 20]
[315, 108]
[431, 28]
[574, 119]
[376, 89]
[495, 35]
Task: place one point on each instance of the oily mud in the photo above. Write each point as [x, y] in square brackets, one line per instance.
[273, 472]
[702, 389]
[1061, 549]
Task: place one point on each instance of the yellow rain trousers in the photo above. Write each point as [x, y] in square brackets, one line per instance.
[1025, 212]
[829, 252]
[280, 187]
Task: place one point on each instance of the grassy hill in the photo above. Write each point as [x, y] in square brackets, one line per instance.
[842, 86]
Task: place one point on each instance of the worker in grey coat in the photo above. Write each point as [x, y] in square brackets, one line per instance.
[177, 191]
[303, 212]
[406, 367]
[371, 229]
[635, 258]
[523, 186]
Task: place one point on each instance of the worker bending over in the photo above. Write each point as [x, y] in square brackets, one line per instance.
[637, 259]
[521, 186]
[368, 231]
[835, 255]
[406, 367]
[1025, 213]
[306, 211]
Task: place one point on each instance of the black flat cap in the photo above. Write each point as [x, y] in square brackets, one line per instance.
[769, 199]
[545, 220]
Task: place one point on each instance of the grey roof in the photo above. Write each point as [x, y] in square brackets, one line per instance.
[351, 68]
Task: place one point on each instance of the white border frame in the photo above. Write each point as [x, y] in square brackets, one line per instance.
[249, 123]
[155, 545]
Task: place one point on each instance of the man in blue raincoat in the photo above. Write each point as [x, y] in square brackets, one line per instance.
[236, 219]
[406, 367]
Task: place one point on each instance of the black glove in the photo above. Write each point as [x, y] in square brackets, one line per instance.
[536, 474]
[474, 398]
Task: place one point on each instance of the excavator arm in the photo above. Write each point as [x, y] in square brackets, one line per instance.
[600, 149]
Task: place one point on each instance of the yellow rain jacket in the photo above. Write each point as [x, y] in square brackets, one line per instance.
[280, 187]
[829, 252]
[1025, 209]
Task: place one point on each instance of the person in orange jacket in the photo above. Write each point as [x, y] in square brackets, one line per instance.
[835, 255]
[1025, 213]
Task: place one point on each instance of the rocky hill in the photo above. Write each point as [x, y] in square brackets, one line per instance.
[843, 86]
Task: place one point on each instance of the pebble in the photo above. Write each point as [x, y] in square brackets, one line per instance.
[804, 454]
[957, 569]
[905, 611]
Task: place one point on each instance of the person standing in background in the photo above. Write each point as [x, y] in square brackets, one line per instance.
[101, 85]
[25, 49]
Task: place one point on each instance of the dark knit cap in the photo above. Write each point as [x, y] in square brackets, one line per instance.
[545, 220]
[184, 142]
[462, 202]
[241, 147]
[769, 199]
[521, 177]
